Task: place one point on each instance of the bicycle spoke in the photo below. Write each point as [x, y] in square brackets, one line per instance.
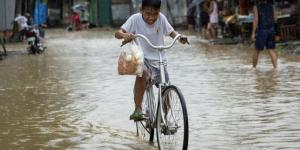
[172, 134]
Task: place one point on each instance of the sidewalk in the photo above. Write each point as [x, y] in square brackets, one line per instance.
[287, 47]
[290, 47]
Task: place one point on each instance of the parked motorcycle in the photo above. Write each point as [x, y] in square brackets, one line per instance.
[34, 43]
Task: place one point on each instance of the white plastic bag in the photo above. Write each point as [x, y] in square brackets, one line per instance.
[131, 60]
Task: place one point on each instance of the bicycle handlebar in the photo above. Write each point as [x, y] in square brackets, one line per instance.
[158, 47]
[155, 46]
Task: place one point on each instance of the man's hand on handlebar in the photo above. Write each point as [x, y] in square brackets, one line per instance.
[183, 39]
[128, 37]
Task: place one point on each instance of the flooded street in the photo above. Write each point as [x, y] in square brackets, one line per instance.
[71, 96]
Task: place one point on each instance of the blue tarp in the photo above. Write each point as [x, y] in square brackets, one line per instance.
[40, 12]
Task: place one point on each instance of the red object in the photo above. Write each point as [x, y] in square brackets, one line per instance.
[243, 7]
[30, 34]
[75, 18]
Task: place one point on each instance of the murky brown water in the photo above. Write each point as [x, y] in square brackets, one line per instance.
[71, 97]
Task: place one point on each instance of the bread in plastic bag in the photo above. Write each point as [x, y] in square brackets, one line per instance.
[131, 60]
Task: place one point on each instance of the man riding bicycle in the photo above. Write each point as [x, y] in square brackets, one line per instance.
[154, 25]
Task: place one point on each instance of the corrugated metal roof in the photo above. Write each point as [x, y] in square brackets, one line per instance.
[7, 13]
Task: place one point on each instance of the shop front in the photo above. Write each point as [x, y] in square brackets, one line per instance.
[241, 18]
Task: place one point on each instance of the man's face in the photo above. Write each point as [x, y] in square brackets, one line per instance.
[150, 14]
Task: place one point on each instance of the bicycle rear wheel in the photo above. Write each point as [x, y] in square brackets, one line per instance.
[145, 128]
[173, 130]
[3, 47]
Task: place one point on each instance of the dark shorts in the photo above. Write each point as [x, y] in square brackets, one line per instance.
[204, 19]
[84, 21]
[265, 38]
[204, 24]
[191, 20]
[23, 32]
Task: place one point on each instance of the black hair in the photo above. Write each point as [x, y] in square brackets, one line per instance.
[151, 3]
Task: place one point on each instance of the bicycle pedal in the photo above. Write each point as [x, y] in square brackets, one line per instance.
[142, 119]
[145, 118]
[172, 130]
[169, 130]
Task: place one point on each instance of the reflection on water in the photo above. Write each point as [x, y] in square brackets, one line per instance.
[266, 82]
[71, 97]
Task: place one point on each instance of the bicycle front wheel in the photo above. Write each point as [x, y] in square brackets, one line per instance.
[172, 120]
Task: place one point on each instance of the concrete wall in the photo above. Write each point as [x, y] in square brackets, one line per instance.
[174, 10]
[23, 6]
[66, 11]
[79, 1]
[121, 10]
[7, 14]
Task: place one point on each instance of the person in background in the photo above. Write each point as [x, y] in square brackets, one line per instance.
[204, 18]
[42, 30]
[213, 19]
[33, 31]
[75, 21]
[263, 32]
[85, 16]
[22, 26]
[29, 19]
[191, 16]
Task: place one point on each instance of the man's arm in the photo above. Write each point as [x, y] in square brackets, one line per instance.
[122, 34]
[173, 34]
[255, 22]
[274, 14]
[211, 7]
[183, 39]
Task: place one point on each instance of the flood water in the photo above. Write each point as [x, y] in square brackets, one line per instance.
[71, 97]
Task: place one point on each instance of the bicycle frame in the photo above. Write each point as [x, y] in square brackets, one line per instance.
[3, 47]
[161, 67]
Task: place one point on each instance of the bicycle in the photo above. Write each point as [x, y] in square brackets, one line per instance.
[168, 115]
[2, 42]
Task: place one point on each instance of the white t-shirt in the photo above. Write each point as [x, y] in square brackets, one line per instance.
[155, 33]
[22, 22]
[213, 17]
